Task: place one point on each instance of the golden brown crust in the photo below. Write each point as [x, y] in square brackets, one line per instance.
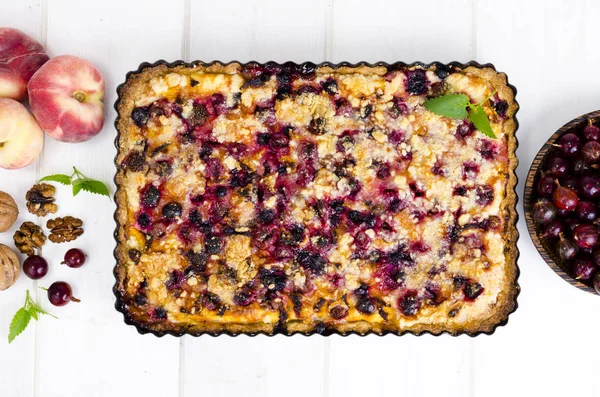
[133, 88]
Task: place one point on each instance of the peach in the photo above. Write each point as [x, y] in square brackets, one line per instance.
[21, 138]
[66, 97]
[20, 57]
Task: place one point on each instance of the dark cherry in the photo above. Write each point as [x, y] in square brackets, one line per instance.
[569, 144]
[488, 149]
[60, 293]
[221, 191]
[318, 126]
[484, 195]
[570, 182]
[501, 107]
[585, 236]
[416, 82]
[572, 223]
[470, 169]
[134, 255]
[273, 279]
[546, 185]
[135, 161]
[35, 267]
[151, 197]
[589, 186]
[590, 152]
[586, 211]
[596, 255]
[330, 87]
[579, 166]
[172, 210]
[442, 71]
[409, 304]
[396, 136]
[338, 312]
[266, 216]
[140, 116]
[565, 198]
[591, 133]
[243, 297]
[543, 211]
[307, 68]
[464, 130]
[366, 305]
[472, 290]
[567, 249]
[358, 218]
[583, 268]
[554, 229]
[564, 213]
[384, 171]
[213, 245]
[557, 166]
[74, 258]
[311, 261]
[143, 220]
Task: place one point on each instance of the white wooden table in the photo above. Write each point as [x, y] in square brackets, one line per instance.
[549, 347]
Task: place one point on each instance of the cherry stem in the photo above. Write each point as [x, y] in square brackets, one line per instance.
[73, 299]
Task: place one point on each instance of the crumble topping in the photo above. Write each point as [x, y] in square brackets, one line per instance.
[271, 194]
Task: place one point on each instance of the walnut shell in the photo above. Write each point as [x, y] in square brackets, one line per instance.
[9, 267]
[8, 211]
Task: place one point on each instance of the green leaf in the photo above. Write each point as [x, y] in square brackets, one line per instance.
[23, 316]
[96, 187]
[453, 105]
[76, 187]
[479, 118]
[18, 324]
[79, 182]
[60, 178]
[34, 309]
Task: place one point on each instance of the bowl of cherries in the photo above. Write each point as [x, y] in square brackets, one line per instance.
[562, 202]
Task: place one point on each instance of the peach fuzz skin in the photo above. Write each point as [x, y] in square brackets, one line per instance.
[21, 138]
[66, 97]
[20, 57]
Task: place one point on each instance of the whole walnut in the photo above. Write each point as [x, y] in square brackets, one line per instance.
[9, 267]
[8, 211]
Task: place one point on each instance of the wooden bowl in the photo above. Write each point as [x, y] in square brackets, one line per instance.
[544, 246]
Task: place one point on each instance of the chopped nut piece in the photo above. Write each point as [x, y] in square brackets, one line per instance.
[29, 237]
[64, 229]
[40, 201]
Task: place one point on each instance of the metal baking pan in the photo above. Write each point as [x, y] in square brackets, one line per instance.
[324, 330]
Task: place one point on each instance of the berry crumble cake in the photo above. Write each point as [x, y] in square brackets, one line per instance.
[301, 198]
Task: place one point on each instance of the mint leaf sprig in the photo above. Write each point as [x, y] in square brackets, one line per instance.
[79, 182]
[455, 106]
[23, 316]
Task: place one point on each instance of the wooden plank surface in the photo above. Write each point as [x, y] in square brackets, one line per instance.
[549, 53]
[17, 361]
[104, 356]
